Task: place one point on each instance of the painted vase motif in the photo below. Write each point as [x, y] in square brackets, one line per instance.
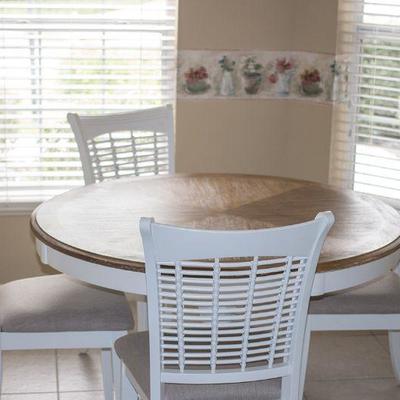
[253, 76]
[282, 76]
[253, 83]
[196, 81]
[331, 89]
[343, 83]
[283, 83]
[331, 82]
[311, 83]
[311, 88]
[227, 85]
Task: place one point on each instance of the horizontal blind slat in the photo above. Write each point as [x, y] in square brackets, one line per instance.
[92, 58]
[366, 144]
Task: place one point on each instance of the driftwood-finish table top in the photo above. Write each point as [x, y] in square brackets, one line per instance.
[100, 223]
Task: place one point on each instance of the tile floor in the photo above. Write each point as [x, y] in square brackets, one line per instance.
[342, 366]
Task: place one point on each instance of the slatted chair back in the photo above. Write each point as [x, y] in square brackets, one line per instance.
[116, 145]
[229, 306]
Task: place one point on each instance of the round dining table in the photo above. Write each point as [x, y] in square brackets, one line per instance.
[92, 233]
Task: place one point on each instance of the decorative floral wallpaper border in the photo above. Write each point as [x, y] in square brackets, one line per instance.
[260, 74]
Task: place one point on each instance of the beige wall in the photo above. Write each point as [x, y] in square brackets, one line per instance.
[251, 136]
[314, 26]
[245, 136]
[309, 124]
[18, 258]
[235, 24]
[289, 138]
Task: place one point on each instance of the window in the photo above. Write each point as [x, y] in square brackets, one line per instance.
[89, 57]
[366, 147]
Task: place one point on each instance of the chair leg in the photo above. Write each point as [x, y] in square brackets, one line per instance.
[141, 316]
[1, 372]
[304, 360]
[293, 385]
[286, 388]
[394, 346]
[127, 390]
[106, 364]
[117, 374]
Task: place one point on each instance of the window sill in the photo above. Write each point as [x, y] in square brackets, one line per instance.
[17, 209]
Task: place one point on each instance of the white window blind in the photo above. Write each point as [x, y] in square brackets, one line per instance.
[90, 57]
[366, 137]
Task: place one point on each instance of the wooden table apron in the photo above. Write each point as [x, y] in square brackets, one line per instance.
[92, 233]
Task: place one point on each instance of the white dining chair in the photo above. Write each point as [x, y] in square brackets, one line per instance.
[57, 312]
[117, 145]
[227, 311]
[124, 144]
[370, 307]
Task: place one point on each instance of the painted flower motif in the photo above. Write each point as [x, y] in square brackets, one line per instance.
[251, 67]
[273, 78]
[281, 76]
[253, 76]
[310, 82]
[310, 76]
[283, 65]
[196, 80]
[335, 68]
[195, 75]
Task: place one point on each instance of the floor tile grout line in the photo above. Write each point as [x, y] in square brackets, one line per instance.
[51, 392]
[25, 393]
[380, 344]
[57, 375]
[82, 391]
[358, 378]
[54, 365]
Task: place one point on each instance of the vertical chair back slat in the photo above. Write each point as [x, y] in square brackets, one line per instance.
[228, 306]
[278, 315]
[215, 306]
[179, 314]
[249, 307]
[124, 144]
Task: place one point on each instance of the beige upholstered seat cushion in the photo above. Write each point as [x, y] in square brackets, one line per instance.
[379, 297]
[58, 303]
[133, 349]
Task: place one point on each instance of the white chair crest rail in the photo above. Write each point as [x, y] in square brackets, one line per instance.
[227, 311]
[57, 312]
[124, 144]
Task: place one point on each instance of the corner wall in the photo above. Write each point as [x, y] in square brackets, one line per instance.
[259, 136]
